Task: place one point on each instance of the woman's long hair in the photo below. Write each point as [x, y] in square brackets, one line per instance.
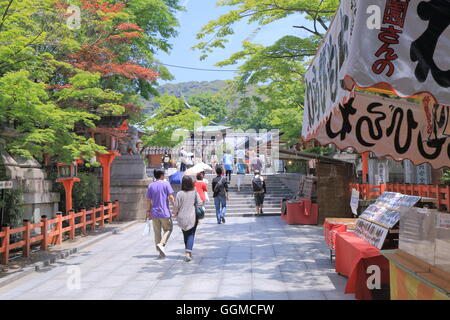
[187, 184]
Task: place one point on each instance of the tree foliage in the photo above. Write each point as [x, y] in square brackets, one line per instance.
[276, 70]
[54, 80]
[213, 106]
[171, 122]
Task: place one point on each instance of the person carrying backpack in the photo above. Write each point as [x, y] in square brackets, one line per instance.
[220, 195]
[259, 191]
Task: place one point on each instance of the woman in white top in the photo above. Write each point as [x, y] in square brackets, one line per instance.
[214, 160]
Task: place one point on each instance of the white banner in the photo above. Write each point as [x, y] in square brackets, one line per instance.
[386, 127]
[322, 81]
[410, 51]
[402, 45]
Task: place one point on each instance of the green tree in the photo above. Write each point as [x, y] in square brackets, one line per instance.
[276, 70]
[213, 106]
[54, 80]
[171, 122]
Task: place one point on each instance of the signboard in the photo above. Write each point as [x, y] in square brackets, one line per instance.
[401, 45]
[308, 187]
[387, 127]
[443, 221]
[6, 185]
[374, 223]
[354, 201]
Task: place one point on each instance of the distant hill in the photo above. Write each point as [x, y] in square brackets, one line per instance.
[188, 89]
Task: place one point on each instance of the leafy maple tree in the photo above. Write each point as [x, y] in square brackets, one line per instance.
[54, 79]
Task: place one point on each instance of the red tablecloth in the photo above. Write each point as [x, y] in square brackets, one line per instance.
[353, 257]
[301, 212]
[330, 230]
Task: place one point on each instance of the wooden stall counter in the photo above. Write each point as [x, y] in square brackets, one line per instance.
[414, 279]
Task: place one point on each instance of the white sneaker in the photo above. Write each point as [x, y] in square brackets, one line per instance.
[161, 249]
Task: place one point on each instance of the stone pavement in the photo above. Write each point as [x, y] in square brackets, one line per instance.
[246, 258]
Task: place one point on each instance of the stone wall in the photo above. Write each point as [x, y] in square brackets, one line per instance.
[291, 180]
[129, 183]
[38, 198]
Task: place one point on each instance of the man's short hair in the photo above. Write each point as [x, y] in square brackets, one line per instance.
[158, 173]
[219, 170]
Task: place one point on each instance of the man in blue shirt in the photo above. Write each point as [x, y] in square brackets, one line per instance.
[228, 161]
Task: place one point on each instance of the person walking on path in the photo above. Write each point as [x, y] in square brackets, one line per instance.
[241, 170]
[214, 160]
[259, 191]
[220, 194]
[184, 211]
[159, 193]
[228, 162]
[166, 160]
[201, 186]
[257, 164]
[183, 156]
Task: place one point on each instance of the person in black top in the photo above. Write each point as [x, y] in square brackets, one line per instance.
[220, 189]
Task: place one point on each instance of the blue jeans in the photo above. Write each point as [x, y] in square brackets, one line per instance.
[189, 236]
[221, 207]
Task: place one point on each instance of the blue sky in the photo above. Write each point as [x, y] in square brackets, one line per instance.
[199, 13]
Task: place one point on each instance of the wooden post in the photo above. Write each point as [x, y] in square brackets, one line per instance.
[59, 227]
[447, 197]
[83, 220]
[72, 224]
[26, 238]
[102, 215]
[117, 210]
[44, 227]
[94, 218]
[5, 256]
[365, 167]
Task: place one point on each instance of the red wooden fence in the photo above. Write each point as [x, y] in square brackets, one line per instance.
[438, 192]
[52, 231]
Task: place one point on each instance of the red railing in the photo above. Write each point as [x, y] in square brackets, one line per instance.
[52, 230]
[438, 192]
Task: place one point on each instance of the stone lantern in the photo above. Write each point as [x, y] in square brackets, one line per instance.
[67, 175]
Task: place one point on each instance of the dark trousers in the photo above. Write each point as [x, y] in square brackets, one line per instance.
[183, 167]
[228, 174]
[189, 236]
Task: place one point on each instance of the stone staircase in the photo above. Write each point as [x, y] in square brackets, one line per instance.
[242, 204]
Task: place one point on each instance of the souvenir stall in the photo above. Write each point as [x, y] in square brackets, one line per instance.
[322, 193]
[380, 83]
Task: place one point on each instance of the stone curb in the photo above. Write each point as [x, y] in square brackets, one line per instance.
[64, 254]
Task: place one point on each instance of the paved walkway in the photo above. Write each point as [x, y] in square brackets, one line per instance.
[246, 258]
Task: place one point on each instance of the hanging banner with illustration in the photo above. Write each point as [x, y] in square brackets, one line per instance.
[387, 127]
[401, 45]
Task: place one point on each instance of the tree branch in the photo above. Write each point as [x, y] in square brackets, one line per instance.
[5, 13]
[310, 30]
